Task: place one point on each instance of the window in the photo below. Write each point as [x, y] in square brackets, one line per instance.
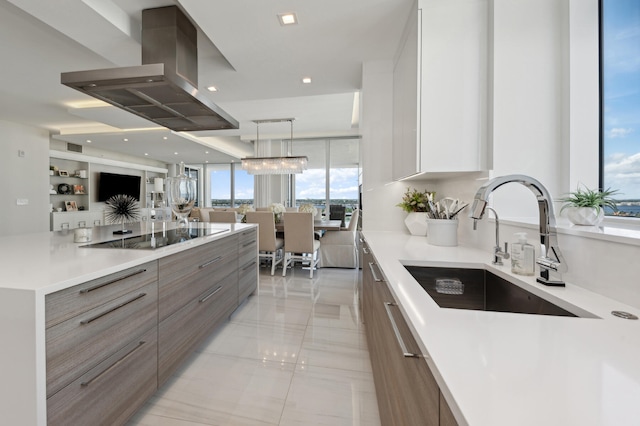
[220, 184]
[332, 176]
[620, 102]
[242, 186]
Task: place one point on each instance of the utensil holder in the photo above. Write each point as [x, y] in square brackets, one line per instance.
[442, 232]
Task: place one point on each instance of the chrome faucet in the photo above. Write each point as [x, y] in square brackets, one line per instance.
[551, 261]
[498, 253]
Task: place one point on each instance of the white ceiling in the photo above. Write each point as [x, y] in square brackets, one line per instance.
[256, 63]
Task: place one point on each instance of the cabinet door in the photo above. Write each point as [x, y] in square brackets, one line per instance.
[411, 388]
[112, 391]
[182, 332]
[406, 99]
[247, 264]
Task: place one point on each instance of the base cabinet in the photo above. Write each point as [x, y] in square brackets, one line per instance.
[111, 342]
[406, 390]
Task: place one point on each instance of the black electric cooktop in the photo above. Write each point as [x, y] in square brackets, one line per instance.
[157, 239]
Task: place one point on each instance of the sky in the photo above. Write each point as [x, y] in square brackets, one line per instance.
[309, 185]
[621, 60]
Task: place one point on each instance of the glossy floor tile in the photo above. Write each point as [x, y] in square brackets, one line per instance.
[294, 353]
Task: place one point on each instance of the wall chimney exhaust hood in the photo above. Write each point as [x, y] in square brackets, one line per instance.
[164, 88]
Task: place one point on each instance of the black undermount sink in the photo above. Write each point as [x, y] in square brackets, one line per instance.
[477, 289]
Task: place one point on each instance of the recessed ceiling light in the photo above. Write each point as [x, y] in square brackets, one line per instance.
[88, 140]
[212, 88]
[175, 153]
[126, 140]
[146, 153]
[306, 80]
[206, 152]
[287, 18]
[165, 138]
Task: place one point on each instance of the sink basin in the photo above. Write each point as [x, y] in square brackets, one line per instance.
[477, 289]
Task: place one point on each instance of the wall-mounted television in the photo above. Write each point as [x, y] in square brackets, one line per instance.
[111, 184]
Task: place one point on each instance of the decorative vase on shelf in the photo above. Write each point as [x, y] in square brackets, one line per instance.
[587, 216]
[181, 191]
[416, 223]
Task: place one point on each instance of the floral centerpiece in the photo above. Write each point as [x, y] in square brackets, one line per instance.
[243, 209]
[277, 209]
[415, 201]
[308, 208]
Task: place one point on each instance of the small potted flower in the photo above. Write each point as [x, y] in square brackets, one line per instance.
[586, 206]
[277, 209]
[416, 203]
[242, 210]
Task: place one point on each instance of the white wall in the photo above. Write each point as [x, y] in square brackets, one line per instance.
[26, 177]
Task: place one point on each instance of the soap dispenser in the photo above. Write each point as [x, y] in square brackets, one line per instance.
[522, 256]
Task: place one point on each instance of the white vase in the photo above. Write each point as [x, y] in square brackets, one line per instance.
[587, 216]
[442, 232]
[416, 223]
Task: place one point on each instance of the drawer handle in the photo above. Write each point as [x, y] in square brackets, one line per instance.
[106, 370]
[373, 272]
[204, 299]
[95, 287]
[249, 265]
[108, 311]
[403, 347]
[204, 265]
[365, 250]
[248, 244]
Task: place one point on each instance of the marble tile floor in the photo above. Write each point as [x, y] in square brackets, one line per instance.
[294, 353]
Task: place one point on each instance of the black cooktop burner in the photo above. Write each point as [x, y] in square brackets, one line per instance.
[158, 239]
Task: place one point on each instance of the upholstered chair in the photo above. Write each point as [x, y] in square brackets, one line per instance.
[339, 248]
[299, 242]
[222, 216]
[269, 246]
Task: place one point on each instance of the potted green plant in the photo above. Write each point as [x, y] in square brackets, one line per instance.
[416, 203]
[586, 206]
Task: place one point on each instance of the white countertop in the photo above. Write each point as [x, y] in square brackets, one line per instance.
[509, 369]
[50, 261]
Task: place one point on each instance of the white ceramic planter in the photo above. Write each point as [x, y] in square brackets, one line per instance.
[442, 232]
[416, 223]
[587, 216]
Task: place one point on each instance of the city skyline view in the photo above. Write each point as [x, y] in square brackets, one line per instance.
[621, 97]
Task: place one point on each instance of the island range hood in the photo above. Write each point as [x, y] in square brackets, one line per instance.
[164, 88]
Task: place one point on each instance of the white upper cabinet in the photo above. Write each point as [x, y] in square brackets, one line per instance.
[442, 80]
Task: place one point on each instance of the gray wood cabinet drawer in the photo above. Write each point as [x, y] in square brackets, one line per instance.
[183, 331]
[65, 304]
[184, 276]
[112, 391]
[247, 278]
[247, 236]
[79, 343]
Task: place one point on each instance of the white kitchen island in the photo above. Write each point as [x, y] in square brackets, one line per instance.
[505, 369]
[39, 264]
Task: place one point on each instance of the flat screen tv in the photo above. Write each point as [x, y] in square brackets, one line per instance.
[111, 184]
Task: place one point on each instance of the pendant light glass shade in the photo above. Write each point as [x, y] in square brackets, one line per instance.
[274, 165]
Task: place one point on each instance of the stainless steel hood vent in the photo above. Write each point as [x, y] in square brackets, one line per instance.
[163, 89]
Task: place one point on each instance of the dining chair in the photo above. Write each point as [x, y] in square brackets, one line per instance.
[337, 212]
[269, 246]
[299, 242]
[222, 217]
[339, 248]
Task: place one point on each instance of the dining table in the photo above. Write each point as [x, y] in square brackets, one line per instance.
[318, 225]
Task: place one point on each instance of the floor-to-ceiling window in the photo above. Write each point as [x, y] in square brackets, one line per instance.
[220, 184]
[620, 102]
[333, 173]
[242, 186]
